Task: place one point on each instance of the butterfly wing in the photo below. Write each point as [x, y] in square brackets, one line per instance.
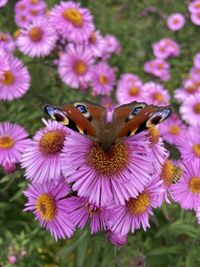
[82, 117]
[136, 117]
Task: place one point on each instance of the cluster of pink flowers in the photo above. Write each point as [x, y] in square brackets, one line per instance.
[72, 179]
[194, 9]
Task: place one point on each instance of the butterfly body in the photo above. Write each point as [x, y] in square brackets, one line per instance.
[92, 120]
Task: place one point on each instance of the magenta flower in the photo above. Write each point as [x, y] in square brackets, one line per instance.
[81, 211]
[117, 239]
[155, 93]
[15, 81]
[194, 6]
[195, 18]
[102, 78]
[136, 211]
[96, 44]
[159, 68]
[48, 202]
[7, 42]
[37, 39]
[172, 129]
[190, 110]
[3, 3]
[104, 177]
[73, 22]
[187, 191]
[112, 46]
[4, 62]
[165, 48]
[196, 60]
[197, 211]
[13, 141]
[190, 87]
[75, 66]
[42, 158]
[176, 21]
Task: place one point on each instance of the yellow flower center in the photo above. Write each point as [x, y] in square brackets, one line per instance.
[170, 173]
[154, 135]
[196, 108]
[191, 89]
[176, 21]
[6, 141]
[137, 206]
[197, 5]
[196, 149]
[52, 142]
[160, 66]
[134, 90]
[34, 12]
[34, 1]
[74, 16]
[93, 38]
[36, 34]
[110, 162]
[8, 78]
[3, 37]
[158, 97]
[45, 206]
[174, 129]
[80, 67]
[194, 185]
[102, 79]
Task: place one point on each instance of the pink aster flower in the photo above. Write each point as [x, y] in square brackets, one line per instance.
[107, 102]
[165, 48]
[75, 66]
[4, 62]
[15, 81]
[190, 87]
[196, 60]
[187, 191]
[172, 129]
[102, 78]
[189, 144]
[81, 211]
[3, 3]
[129, 90]
[197, 211]
[48, 202]
[176, 21]
[42, 158]
[96, 44]
[73, 22]
[101, 176]
[159, 68]
[13, 141]
[194, 74]
[136, 211]
[190, 110]
[112, 45]
[117, 239]
[194, 6]
[155, 93]
[195, 18]
[7, 42]
[38, 39]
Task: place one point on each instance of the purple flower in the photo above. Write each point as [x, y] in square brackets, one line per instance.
[176, 22]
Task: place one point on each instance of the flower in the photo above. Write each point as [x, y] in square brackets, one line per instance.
[81, 210]
[194, 7]
[196, 60]
[176, 21]
[112, 46]
[190, 87]
[3, 3]
[48, 202]
[136, 211]
[15, 80]
[155, 93]
[197, 211]
[159, 68]
[103, 176]
[117, 239]
[7, 42]
[96, 44]
[73, 22]
[195, 18]
[189, 144]
[187, 191]
[42, 158]
[165, 48]
[172, 129]
[38, 39]
[102, 78]
[190, 109]
[129, 89]
[75, 66]
[13, 141]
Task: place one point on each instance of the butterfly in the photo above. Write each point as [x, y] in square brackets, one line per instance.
[91, 120]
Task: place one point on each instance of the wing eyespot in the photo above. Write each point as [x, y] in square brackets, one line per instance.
[158, 117]
[83, 109]
[134, 112]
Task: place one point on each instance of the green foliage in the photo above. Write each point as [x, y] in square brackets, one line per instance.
[174, 236]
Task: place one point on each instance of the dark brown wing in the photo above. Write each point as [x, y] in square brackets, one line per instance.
[136, 117]
[82, 117]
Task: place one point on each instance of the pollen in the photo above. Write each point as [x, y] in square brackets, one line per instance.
[80, 67]
[194, 185]
[158, 97]
[102, 79]
[109, 163]
[46, 207]
[134, 90]
[8, 78]
[6, 142]
[137, 206]
[154, 135]
[36, 34]
[196, 108]
[52, 142]
[73, 16]
[196, 149]
[174, 129]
